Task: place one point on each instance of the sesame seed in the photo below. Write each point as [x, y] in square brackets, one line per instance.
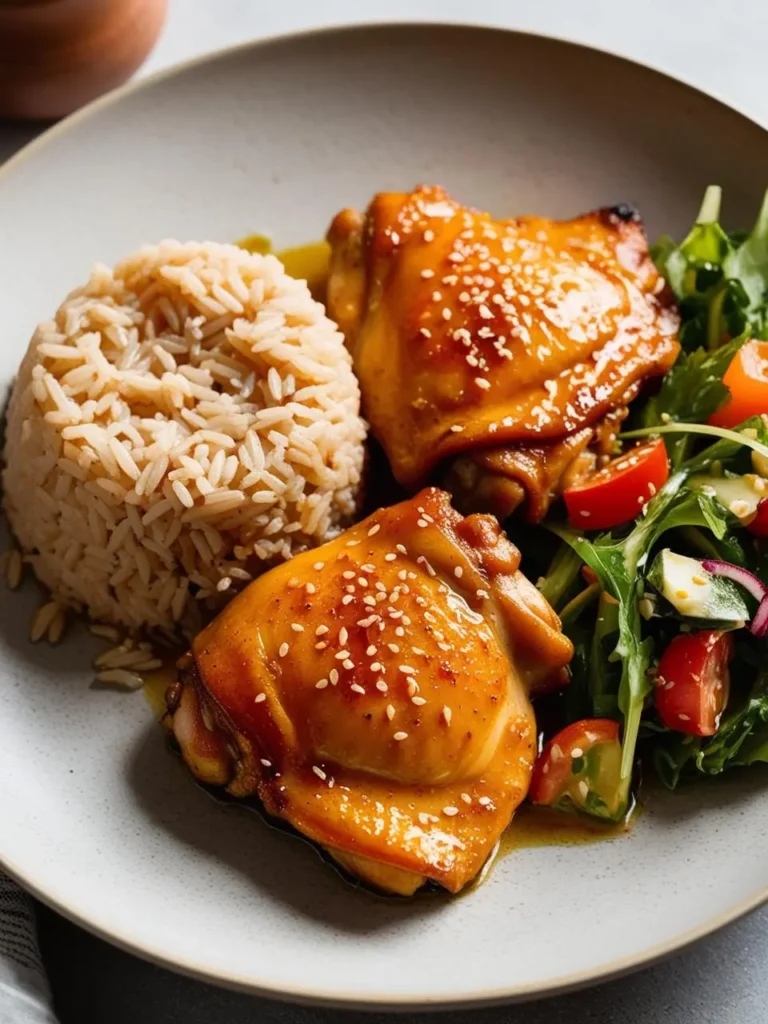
[484, 800]
[413, 686]
[399, 631]
[390, 557]
[423, 818]
[418, 701]
[390, 712]
[365, 623]
[357, 688]
[457, 429]
[466, 798]
[428, 235]
[265, 762]
[381, 686]
[321, 684]
[458, 572]
[310, 588]
[447, 314]
[321, 645]
[374, 529]
[343, 635]
[259, 698]
[577, 752]
[352, 543]
[349, 574]
[421, 523]
[485, 313]
[320, 630]
[362, 581]
[483, 383]
[319, 566]
[319, 772]
[427, 273]
[684, 718]
[283, 650]
[482, 594]
[394, 648]
[450, 811]
[447, 714]
[377, 667]
[436, 296]
[348, 664]
[341, 655]
[401, 548]
[347, 599]
[400, 736]
[333, 675]
[297, 627]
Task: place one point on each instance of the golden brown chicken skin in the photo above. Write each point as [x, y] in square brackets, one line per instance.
[471, 334]
[374, 693]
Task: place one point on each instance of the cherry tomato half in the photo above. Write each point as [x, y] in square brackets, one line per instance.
[693, 682]
[580, 768]
[617, 493]
[759, 525]
[747, 380]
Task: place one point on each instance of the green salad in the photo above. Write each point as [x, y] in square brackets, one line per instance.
[660, 575]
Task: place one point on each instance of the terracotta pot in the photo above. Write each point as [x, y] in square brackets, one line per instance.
[56, 55]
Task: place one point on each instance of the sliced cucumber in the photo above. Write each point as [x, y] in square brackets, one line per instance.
[694, 592]
[739, 494]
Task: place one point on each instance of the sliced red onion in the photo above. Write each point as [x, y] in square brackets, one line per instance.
[759, 623]
[743, 577]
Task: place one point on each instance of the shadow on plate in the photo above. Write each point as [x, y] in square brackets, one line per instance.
[280, 864]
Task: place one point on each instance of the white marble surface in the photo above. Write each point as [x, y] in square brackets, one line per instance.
[716, 46]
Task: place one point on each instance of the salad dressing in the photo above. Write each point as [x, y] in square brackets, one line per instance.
[543, 826]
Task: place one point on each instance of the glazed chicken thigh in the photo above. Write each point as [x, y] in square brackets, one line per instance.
[507, 348]
[374, 693]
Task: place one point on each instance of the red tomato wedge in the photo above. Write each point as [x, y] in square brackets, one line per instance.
[617, 493]
[579, 769]
[693, 682]
[747, 380]
[759, 525]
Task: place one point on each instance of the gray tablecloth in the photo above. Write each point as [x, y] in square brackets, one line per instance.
[24, 994]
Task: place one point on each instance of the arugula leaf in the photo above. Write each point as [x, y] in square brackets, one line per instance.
[690, 392]
[747, 268]
[741, 740]
[720, 279]
[620, 568]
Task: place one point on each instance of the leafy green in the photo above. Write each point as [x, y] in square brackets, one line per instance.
[720, 279]
[741, 739]
[690, 392]
[562, 574]
[620, 566]
[746, 435]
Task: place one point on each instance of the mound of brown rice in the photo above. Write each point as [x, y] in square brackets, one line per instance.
[185, 418]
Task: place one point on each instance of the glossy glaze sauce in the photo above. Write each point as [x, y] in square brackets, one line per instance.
[532, 826]
[305, 262]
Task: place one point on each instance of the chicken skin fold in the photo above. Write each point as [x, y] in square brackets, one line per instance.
[510, 342]
[374, 693]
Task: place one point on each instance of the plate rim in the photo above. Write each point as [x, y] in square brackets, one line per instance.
[294, 992]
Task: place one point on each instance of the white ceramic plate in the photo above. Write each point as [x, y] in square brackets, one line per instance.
[96, 816]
